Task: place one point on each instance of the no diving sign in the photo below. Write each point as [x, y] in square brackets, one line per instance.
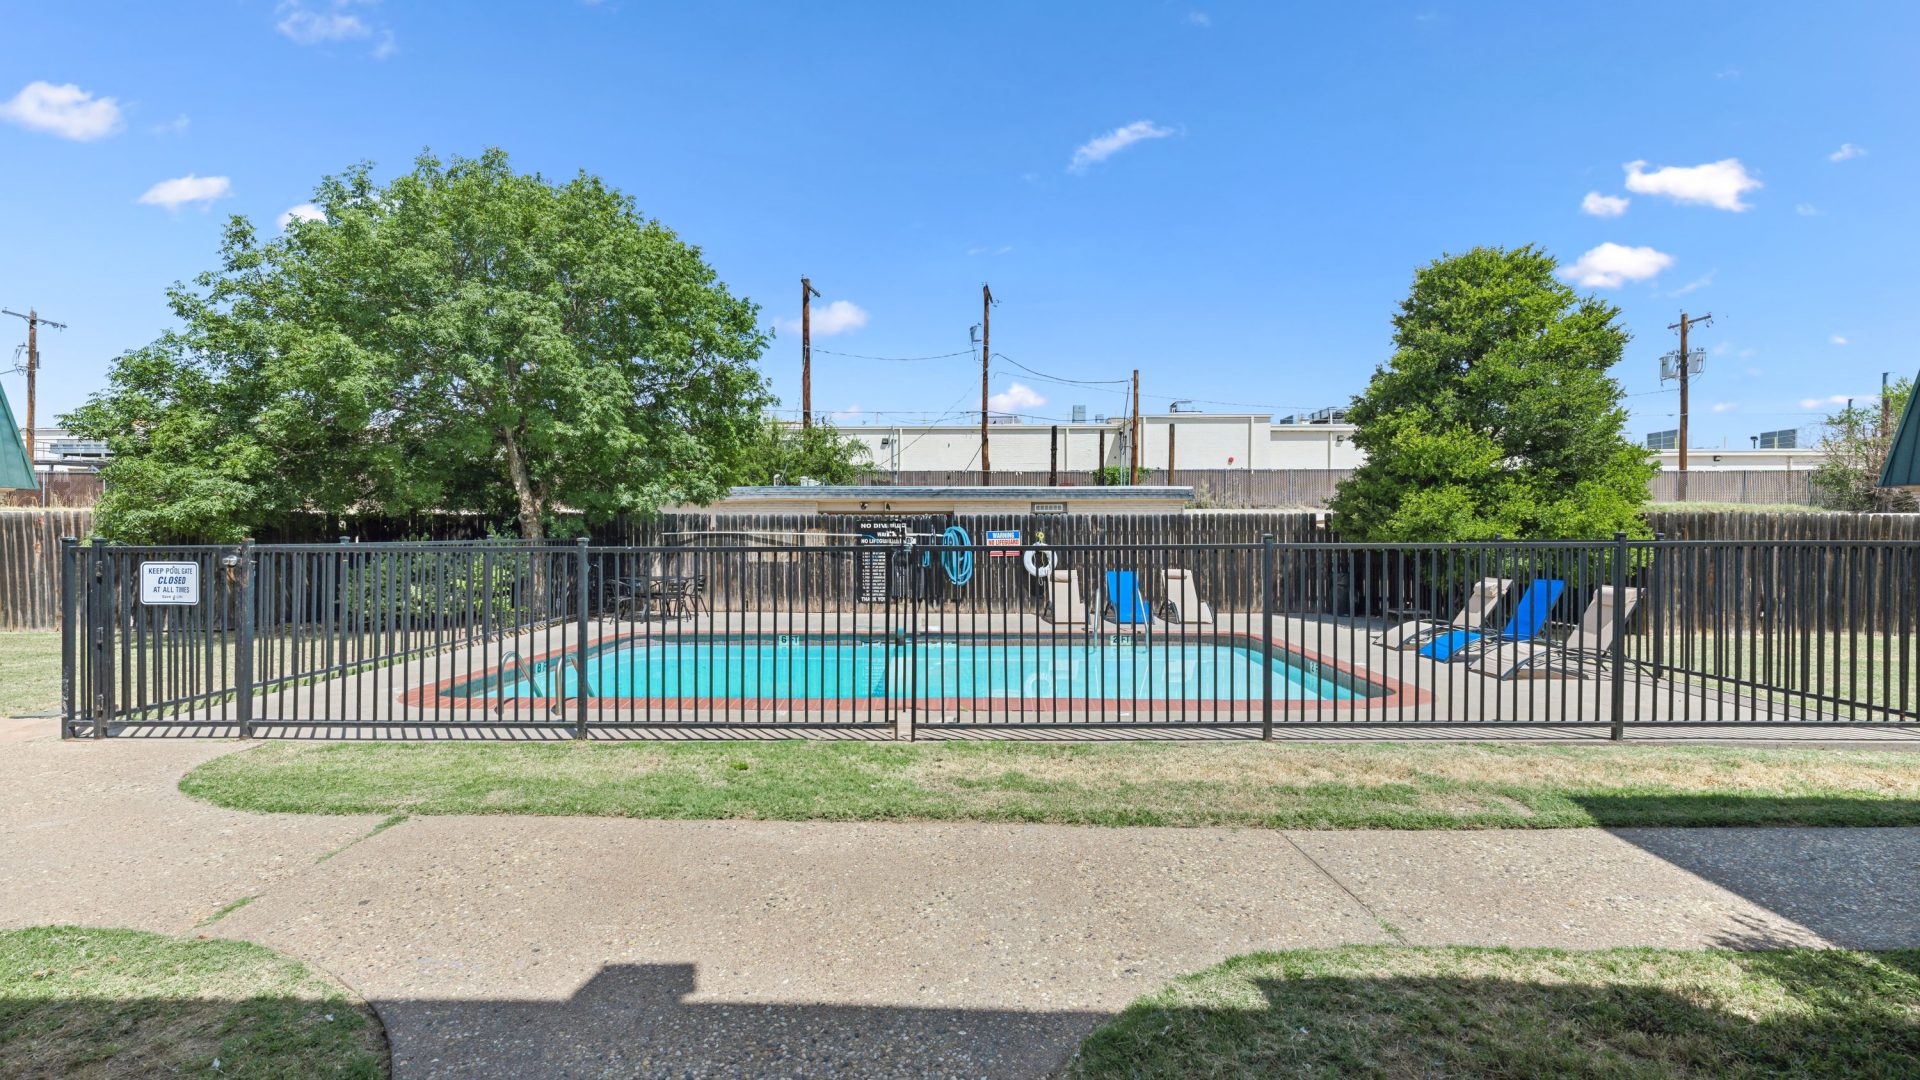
[176, 583]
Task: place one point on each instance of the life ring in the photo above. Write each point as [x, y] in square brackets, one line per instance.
[1039, 560]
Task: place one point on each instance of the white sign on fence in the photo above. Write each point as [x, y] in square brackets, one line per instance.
[170, 583]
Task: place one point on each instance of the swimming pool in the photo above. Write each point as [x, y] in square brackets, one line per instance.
[799, 667]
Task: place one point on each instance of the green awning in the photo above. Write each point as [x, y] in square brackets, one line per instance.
[1903, 457]
[15, 470]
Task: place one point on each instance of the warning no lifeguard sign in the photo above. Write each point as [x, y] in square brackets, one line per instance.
[1008, 539]
[170, 583]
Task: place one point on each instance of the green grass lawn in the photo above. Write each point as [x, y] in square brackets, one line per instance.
[1262, 785]
[1394, 1013]
[29, 672]
[1876, 670]
[78, 1002]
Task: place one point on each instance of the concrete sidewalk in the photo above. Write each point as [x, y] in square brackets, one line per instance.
[589, 947]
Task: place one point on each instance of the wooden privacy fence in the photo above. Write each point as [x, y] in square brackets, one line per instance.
[30, 564]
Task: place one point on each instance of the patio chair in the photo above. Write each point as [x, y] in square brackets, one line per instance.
[1064, 605]
[635, 594]
[1527, 621]
[1183, 604]
[1581, 653]
[1124, 604]
[1482, 599]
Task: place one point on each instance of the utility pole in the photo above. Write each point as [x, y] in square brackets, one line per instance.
[1686, 366]
[33, 366]
[986, 353]
[807, 293]
[1171, 428]
[1133, 440]
[1886, 407]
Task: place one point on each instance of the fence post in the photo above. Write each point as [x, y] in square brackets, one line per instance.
[580, 639]
[243, 649]
[69, 629]
[101, 608]
[1619, 651]
[1266, 636]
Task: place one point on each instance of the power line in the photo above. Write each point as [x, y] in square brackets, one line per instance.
[896, 359]
[1060, 378]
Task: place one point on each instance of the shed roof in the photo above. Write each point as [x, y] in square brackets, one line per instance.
[15, 470]
[1903, 457]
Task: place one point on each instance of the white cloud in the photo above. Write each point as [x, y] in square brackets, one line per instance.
[64, 110]
[1101, 147]
[828, 319]
[176, 126]
[1727, 73]
[1724, 406]
[175, 193]
[848, 414]
[1696, 284]
[1603, 205]
[306, 211]
[1718, 184]
[319, 22]
[1806, 209]
[1831, 399]
[1611, 265]
[1838, 339]
[1017, 397]
[838, 318]
[1847, 152]
[1754, 372]
[304, 26]
[1199, 18]
[984, 250]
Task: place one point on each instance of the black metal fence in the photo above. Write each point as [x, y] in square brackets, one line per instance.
[889, 628]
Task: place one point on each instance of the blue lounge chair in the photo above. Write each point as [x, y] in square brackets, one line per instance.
[1125, 605]
[1529, 618]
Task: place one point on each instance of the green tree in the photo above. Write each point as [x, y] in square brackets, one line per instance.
[1496, 414]
[783, 453]
[464, 337]
[1854, 450]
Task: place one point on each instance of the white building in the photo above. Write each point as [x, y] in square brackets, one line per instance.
[1243, 442]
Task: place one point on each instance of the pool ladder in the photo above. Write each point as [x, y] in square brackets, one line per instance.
[511, 663]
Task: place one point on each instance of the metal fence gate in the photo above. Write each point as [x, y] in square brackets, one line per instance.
[897, 627]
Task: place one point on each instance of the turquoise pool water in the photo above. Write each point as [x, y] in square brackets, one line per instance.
[799, 667]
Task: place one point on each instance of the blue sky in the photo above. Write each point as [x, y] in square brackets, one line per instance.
[1231, 198]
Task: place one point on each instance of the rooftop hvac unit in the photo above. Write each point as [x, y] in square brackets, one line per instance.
[1784, 439]
[1079, 414]
[1663, 440]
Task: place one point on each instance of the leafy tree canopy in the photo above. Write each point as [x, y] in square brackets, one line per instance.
[1496, 414]
[782, 453]
[1854, 450]
[464, 337]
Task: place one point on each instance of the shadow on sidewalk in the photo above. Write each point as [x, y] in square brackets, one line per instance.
[1815, 862]
[641, 1020]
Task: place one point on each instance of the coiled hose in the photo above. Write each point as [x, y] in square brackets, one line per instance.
[957, 559]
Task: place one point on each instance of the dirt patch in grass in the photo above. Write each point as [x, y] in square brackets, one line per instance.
[89, 1003]
[1397, 1012]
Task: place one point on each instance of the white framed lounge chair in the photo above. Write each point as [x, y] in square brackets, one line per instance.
[1482, 599]
[1183, 604]
[1584, 652]
[1065, 605]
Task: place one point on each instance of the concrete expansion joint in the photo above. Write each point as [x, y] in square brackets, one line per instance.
[1390, 929]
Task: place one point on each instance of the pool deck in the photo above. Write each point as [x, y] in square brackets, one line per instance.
[1418, 698]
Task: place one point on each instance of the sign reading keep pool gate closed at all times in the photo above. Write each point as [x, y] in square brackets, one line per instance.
[175, 583]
